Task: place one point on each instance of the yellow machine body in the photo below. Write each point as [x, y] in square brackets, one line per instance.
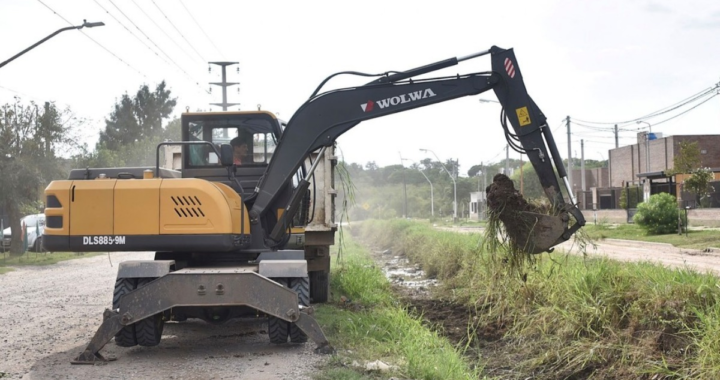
[162, 214]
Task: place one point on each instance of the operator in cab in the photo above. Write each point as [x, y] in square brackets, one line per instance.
[240, 152]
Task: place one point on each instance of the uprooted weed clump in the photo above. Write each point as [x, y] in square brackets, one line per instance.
[513, 226]
[509, 227]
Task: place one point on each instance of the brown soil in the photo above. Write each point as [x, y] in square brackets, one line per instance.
[507, 204]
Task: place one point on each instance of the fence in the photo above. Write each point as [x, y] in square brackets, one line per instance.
[690, 199]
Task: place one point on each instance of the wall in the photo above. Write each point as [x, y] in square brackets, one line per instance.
[708, 143]
[605, 216]
[707, 217]
[623, 165]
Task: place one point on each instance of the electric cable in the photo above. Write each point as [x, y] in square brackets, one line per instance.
[164, 32]
[156, 45]
[686, 111]
[131, 33]
[178, 30]
[663, 110]
[201, 29]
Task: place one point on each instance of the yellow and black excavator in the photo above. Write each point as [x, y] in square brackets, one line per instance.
[221, 226]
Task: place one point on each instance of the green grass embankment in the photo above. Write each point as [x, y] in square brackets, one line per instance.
[695, 239]
[569, 316]
[39, 258]
[365, 324]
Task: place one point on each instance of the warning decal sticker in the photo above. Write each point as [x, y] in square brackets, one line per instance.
[523, 116]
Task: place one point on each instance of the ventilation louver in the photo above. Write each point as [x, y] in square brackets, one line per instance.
[188, 206]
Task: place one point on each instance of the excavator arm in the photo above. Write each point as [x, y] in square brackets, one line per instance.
[326, 116]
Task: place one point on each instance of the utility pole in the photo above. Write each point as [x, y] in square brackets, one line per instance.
[432, 197]
[507, 160]
[616, 137]
[224, 84]
[484, 176]
[452, 178]
[570, 163]
[582, 164]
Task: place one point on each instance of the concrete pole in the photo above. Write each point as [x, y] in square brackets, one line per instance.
[507, 160]
[570, 163]
[616, 137]
[582, 164]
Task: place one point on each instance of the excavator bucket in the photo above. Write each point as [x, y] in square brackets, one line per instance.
[545, 232]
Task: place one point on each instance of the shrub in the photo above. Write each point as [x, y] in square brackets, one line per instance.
[659, 215]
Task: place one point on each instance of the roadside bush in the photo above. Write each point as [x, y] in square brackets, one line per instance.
[659, 215]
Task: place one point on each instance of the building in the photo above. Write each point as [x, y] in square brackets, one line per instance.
[596, 178]
[477, 206]
[648, 162]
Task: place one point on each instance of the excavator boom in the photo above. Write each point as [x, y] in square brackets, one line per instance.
[326, 116]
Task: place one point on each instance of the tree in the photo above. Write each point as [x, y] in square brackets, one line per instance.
[138, 118]
[687, 159]
[699, 183]
[31, 139]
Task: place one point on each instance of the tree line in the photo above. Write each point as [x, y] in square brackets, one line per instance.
[396, 191]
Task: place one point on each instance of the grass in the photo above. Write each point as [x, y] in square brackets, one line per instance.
[694, 239]
[569, 316]
[444, 222]
[43, 258]
[365, 324]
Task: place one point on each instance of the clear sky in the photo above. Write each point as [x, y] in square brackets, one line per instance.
[600, 61]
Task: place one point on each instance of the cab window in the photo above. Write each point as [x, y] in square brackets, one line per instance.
[252, 140]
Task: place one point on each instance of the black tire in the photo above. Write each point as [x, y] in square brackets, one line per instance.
[320, 286]
[278, 328]
[148, 332]
[126, 336]
[301, 286]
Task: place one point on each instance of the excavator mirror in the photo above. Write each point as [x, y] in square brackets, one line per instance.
[226, 155]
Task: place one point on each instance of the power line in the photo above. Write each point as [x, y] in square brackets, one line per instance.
[178, 30]
[131, 33]
[686, 111]
[93, 40]
[164, 32]
[664, 110]
[202, 30]
[156, 45]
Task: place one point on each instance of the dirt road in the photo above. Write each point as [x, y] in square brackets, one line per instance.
[659, 253]
[628, 250]
[48, 315]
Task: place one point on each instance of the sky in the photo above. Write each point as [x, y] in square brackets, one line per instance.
[599, 61]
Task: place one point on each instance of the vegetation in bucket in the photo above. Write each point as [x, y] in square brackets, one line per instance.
[518, 229]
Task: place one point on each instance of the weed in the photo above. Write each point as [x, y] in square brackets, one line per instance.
[571, 316]
[367, 324]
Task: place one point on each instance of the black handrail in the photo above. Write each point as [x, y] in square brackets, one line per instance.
[157, 152]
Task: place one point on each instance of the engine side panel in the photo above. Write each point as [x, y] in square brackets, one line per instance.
[182, 215]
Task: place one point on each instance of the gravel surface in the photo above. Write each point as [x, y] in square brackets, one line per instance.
[49, 313]
[658, 253]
